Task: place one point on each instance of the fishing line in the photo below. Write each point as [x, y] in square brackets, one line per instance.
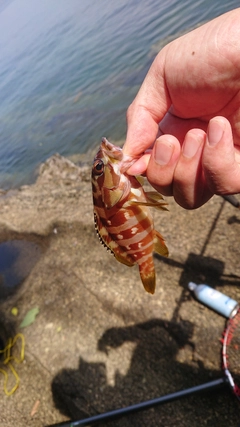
[230, 309]
[230, 353]
[7, 361]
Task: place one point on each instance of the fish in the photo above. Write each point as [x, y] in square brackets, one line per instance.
[123, 220]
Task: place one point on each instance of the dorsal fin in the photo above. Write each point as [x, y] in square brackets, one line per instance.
[153, 199]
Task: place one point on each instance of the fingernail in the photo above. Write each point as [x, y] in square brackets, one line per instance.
[163, 151]
[191, 145]
[215, 131]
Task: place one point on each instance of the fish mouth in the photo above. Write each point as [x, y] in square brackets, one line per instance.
[115, 154]
[111, 151]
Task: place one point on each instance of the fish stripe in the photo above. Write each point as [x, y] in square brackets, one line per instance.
[122, 218]
[129, 241]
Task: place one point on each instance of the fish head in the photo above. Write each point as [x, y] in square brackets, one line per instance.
[107, 179]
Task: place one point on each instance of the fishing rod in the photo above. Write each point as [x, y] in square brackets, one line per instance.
[232, 200]
[117, 413]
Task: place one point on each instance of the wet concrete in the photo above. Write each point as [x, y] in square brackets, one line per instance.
[17, 259]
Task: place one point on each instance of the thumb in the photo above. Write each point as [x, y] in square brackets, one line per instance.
[221, 160]
[147, 110]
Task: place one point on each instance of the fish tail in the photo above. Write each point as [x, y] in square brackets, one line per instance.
[147, 273]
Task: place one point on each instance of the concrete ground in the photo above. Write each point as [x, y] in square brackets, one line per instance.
[100, 342]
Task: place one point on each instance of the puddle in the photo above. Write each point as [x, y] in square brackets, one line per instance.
[17, 258]
[1, 346]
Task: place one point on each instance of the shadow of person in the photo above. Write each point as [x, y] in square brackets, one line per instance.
[154, 371]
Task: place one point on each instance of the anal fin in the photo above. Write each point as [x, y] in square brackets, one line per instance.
[121, 258]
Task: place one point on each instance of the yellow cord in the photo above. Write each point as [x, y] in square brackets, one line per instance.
[8, 357]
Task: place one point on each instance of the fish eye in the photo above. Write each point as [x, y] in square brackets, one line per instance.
[98, 167]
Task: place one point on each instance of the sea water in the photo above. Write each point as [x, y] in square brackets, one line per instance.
[69, 69]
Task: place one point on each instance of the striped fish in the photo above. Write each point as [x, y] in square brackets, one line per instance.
[122, 216]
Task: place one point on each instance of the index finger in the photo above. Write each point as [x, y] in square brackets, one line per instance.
[146, 111]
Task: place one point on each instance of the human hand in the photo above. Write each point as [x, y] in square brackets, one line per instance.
[189, 99]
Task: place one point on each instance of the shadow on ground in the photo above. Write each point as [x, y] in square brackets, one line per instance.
[200, 269]
[83, 392]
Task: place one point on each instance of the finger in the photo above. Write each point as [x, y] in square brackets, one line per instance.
[178, 126]
[147, 110]
[221, 163]
[189, 186]
[140, 166]
[162, 163]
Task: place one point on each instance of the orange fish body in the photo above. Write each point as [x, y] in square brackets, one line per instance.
[121, 212]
